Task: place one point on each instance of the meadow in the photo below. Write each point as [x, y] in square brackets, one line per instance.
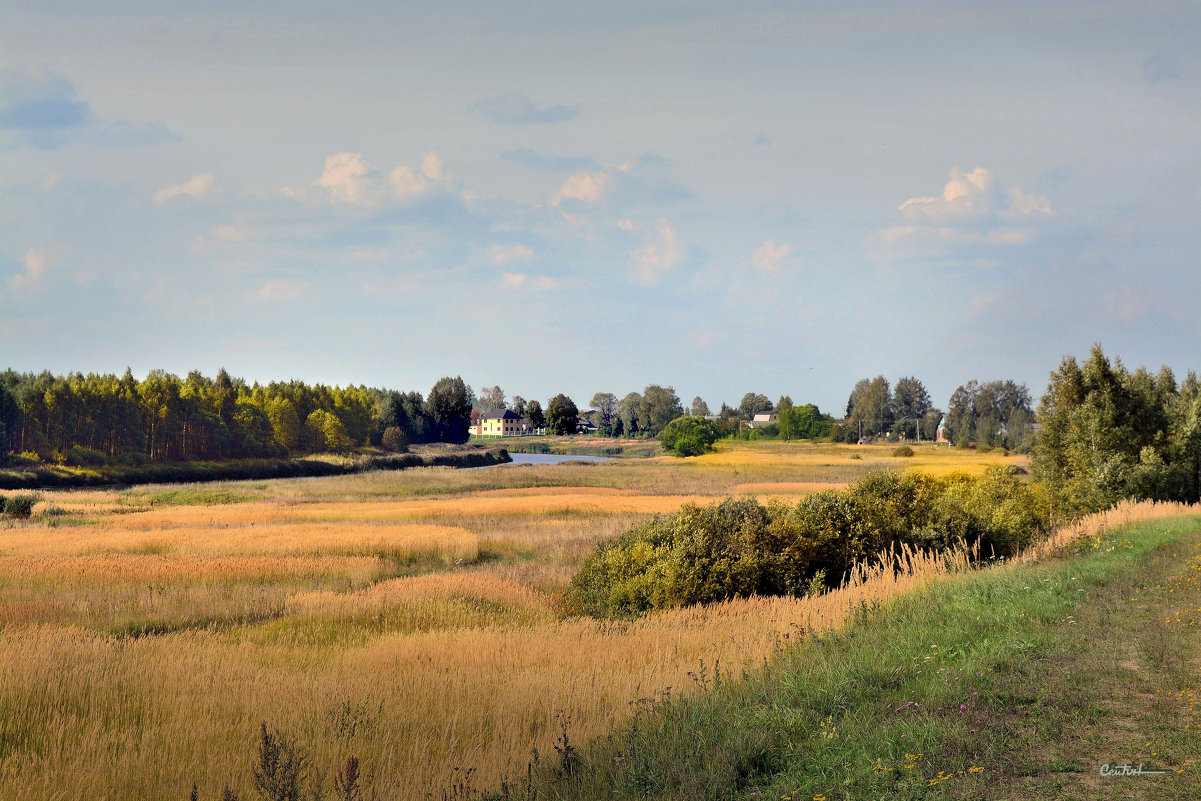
[406, 618]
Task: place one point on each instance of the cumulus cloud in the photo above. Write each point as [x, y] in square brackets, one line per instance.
[505, 254]
[33, 267]
[769, 258]
[972, 209]
[349, 179]
[42, 109]
[966, 196]
[659, 256]
[518, 109]
[587, 187]
[198, 186]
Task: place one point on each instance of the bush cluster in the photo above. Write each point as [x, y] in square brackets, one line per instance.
[739, 547]
[19, 505]
[689, 436]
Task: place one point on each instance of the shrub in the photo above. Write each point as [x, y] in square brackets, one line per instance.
[79, 456]
[21, 504]
[902, 452]
[689, 436]
[740, 548]
[394, 440]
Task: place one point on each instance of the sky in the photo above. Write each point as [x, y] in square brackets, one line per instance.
[779, 198]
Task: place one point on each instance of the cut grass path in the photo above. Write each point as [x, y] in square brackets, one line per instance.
[1016, 682]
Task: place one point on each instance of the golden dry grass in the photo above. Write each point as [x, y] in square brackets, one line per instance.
[407, 618]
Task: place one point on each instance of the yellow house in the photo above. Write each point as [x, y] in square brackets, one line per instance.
[503, 423]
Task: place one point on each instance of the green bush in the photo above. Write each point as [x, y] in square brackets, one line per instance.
[21, 504]
[689, 436]
[903, 452]
[79, 456]
[739, 548]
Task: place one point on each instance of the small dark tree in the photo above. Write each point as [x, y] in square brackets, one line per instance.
[394, 440]
[449, 408]
[533, 411]
[561, 415]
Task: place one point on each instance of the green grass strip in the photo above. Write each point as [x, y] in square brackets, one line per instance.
[1016, 682]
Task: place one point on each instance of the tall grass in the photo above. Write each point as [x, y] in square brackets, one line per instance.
[407, 618]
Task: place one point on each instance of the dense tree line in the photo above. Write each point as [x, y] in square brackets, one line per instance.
[94, 419]
[1109, 433]
[876, 409]
[995, 413]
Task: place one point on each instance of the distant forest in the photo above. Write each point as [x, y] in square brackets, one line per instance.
[100, 419]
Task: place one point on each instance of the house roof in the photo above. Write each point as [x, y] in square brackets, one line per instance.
[764, 417]
[500, 414]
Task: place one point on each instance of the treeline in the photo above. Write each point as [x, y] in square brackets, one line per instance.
[107, 419]
[1109, 433]
[644, 415]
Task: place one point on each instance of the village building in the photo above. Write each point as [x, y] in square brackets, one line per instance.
[500, 423]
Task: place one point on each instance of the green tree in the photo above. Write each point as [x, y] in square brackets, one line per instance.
[660, 405]
[448, 406]
[699, 407]
[753, 404]
[533, 411]
[492, 398]
[605, 404]
[629, 410]
[689, 436]
[870, 406]
[562, 415]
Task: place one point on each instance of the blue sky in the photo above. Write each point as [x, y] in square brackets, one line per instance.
[584, 197]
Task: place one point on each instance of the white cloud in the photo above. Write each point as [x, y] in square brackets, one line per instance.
[349, 179]
[504, 254]
[198, 186]
[659, 256]
[966, 196]
[431, 166]
[408, 183]
[769, 258]
[1023, 206]
[588, 187]
[35, 263]
[626, 225]
[972, 209]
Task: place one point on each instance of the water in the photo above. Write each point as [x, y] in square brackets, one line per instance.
[555, 458]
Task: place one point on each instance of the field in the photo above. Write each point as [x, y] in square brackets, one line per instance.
[407, 618]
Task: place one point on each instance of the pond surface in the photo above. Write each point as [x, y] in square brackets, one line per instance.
[555, 458]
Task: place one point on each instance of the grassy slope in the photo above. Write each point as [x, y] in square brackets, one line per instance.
[1019, 682]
